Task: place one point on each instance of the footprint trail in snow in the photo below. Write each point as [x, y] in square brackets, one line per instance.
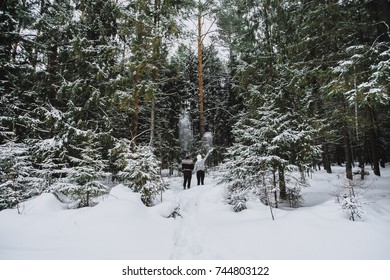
[190, 229]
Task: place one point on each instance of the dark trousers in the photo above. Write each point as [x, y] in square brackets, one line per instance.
[187, 178]
[200, 177]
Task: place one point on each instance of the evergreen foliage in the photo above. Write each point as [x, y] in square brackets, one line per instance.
[84, 175]
[18, 178]
[270, 146]
[50, 158]
[139, 169]
[303, 84]
[350, 200]
[306, 73]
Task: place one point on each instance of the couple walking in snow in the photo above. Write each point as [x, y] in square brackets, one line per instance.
[189, 168]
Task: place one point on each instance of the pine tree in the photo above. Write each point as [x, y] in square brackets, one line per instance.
[88, 82]
[139, 169]
[50, 159]
[272, 142]
[18, 178]
[84, 175]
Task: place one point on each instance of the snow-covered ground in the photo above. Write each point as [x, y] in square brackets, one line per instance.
[121, 227]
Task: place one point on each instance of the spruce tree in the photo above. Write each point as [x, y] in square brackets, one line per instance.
[85, 174]
[18, 177]
[139, 169]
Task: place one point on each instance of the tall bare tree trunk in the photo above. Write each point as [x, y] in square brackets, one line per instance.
[348, 153]
[156, 56]
[135, 115]
[200, 73]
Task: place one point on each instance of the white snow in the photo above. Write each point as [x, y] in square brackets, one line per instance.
[121, 227]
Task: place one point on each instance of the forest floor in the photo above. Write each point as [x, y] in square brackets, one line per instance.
[206, 227]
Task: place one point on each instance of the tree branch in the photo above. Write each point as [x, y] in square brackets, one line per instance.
[208, 30]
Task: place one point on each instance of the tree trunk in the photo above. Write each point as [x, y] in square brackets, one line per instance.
[156, 56]
[326, 159]
[348, 153]
[274, 187]
[52, 70]
[87, 202]
[135, 115]
[373, 138]
[362, 171]
[152, 122]
[200, 74]
[82, 8]
[282, 183]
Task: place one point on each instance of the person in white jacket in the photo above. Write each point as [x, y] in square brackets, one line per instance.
[199, 168]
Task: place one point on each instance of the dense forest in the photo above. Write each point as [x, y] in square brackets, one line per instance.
[100, 91]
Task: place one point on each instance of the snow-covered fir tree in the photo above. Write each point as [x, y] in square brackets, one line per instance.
[50, 158]
[18, 179]
[273, 151]
[139, 169]
[84, 176]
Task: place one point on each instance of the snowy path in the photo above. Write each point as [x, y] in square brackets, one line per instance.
[191, 226]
